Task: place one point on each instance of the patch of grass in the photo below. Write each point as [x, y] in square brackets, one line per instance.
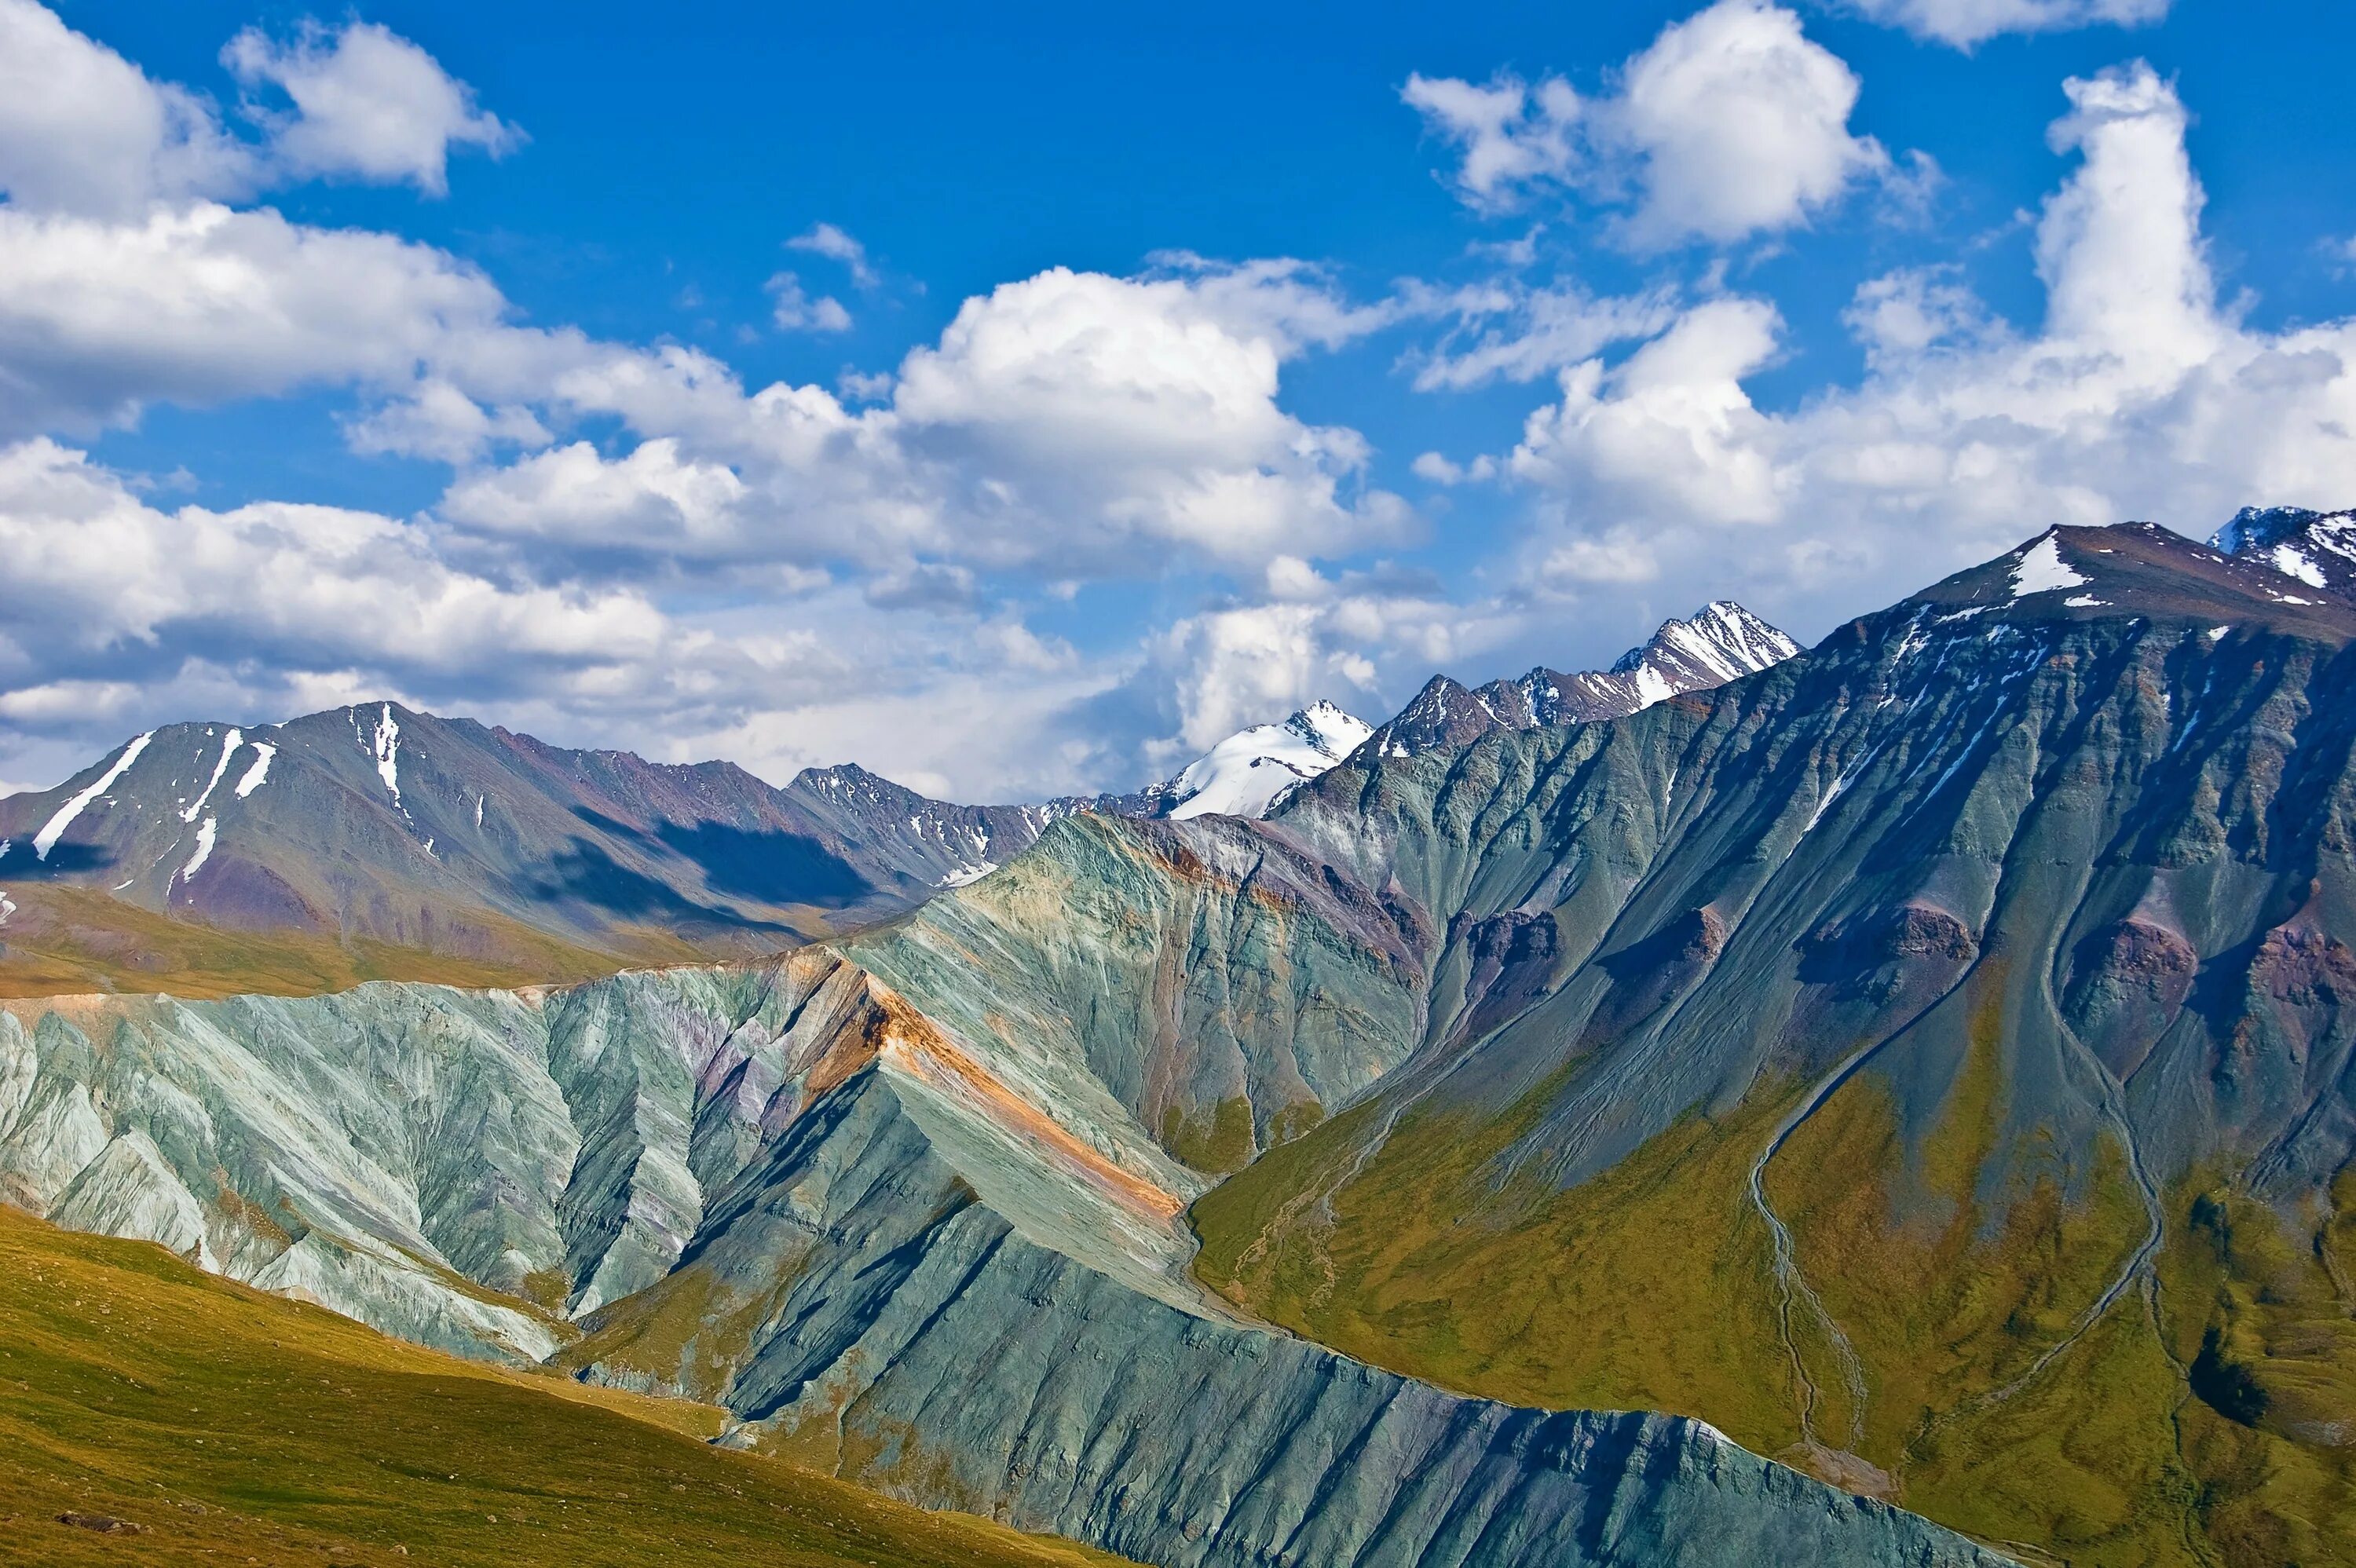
[66, 941]
[2256, 1306]
[689, 1330]
[234, 1426]
[1946, 1303]
[1646, 1287]
[1214, 1143]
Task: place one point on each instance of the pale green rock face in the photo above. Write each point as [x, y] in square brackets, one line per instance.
[886, 1263]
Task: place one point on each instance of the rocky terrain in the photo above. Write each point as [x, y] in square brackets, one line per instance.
[1723, 642]
[909, 1257]
[379, 840]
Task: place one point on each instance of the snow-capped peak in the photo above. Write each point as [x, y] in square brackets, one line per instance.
[1245, 773]
[2318, 549]
[1722, 642]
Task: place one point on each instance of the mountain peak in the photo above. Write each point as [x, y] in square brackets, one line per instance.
[1248, 773]
[461, 844]
[2140, 569]
[1720, 642]
[2318, 549]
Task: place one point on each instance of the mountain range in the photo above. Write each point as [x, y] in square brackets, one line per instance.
[375, 841]
[1723, 642]
[1895, 1105]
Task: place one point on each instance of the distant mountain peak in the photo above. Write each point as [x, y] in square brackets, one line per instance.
[1246, 773]
[1720, 642]
[444, 837]
[2318, 549]
[2140, 569]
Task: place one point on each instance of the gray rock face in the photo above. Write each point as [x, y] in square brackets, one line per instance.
[456, 1168]
[2112, 757]
[920, 1344]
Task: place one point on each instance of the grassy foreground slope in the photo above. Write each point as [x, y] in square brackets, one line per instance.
[234, 1426]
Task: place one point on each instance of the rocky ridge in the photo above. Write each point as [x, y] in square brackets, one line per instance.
[1722, 642]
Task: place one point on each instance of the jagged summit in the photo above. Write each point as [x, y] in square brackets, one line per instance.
[1721, 642]
[2318, 549]
[943, 844]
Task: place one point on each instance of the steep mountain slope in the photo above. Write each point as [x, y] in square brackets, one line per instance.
[136, 1395]
[1722, 642]
[1936, 1043]
[947, 1265]
[392, 835]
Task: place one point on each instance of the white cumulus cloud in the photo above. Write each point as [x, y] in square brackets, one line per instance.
[1732, 123]
[83, 130]
[368, 103]
[794, 310]
[826, 239]
[2140, 395]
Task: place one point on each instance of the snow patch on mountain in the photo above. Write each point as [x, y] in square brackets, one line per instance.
[259, 772]
[2041, 569]
[204, 852]
[2291, 561]
[229, 743]
[2317, 548]
[1245, 773]
[386, 747]
[46, 839]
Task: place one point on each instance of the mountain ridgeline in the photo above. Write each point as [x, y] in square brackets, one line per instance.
[1723, 642]
[377, 839]
[378, 842]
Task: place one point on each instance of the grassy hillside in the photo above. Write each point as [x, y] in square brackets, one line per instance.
[233, 1426]
[2209, 1421]
[69, 941]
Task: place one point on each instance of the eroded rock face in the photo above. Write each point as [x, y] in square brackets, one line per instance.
[2126, 985]
[887, 1324]
[389, 1150]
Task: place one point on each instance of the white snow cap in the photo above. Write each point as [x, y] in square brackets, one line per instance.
[1245, 773]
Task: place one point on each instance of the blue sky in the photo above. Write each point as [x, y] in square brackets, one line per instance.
[1018, 405]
